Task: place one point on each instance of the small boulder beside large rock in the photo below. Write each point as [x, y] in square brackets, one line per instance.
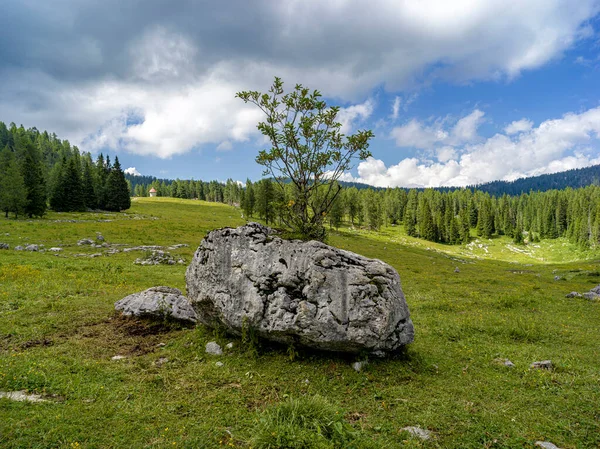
[159, 303]
[289, 291]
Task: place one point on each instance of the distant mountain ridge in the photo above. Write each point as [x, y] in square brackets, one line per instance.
[578, 177]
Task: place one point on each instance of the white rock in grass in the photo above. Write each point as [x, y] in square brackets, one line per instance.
[546, 445]
[417, 432]
[117, 357]
[219, 364]
[55, 249]
[358, 366]
[229, 345]
[213, 348]
[21, 396]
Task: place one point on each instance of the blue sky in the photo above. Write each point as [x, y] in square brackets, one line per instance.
[456, 92]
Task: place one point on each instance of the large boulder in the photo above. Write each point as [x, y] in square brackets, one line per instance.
[158, 303]
[289, 291]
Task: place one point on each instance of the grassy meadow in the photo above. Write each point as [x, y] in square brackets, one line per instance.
[59, 332]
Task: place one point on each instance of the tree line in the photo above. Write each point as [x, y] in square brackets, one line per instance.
[38, 170]
[451, 217]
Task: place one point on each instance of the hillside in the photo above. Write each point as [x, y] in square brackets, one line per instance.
[59, 333]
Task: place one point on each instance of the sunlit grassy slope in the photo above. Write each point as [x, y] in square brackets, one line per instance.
[58, 332]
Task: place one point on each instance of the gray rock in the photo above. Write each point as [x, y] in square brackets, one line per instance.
[422, 434]
[573, 295]
[84, 242]
[596, 289]
[544, 364]
[4, 246]
[32, 248]
[117, 357]
[456, 270]
[546, 445]
[229, 345]
[219, 364]
[557, 278]
[592, 296]
[19, 248]
[55, 249]
[158, 302]
[306, 293]
[358, 366]
[99, 237]
[212, 347]
[504, 362]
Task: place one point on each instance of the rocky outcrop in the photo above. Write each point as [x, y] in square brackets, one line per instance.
[307, 293]
[158, 303]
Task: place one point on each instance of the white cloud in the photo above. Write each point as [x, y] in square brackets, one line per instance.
[396, 108]
[156, 84]
[416, 134]
[132, 171]
[555, 145]
[352, 115]
[518, 126]
[226, 145]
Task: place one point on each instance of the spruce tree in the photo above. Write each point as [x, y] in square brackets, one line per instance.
[13, 194]
[89, 193]
[117, 190]
[33, 176]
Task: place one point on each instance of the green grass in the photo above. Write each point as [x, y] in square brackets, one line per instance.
[58, 332]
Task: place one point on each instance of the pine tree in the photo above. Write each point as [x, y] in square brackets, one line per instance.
[264, 200]
[117, 190]
[89, 192]
[13, 194]
[249, 199]
[33, 176]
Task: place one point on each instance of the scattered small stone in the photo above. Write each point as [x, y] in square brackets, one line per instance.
[55, 249]
[574, 295]
[99, 237]
[417, 432]
[161, 361]
[306, 381]
[546, 445]
[161, 345]
[143, 248]
[4, 246]
[456, 270]
[84, 242]
[179, 245]
[212, 347]
[504, 362]
[358, 366]
[158, 258]
[95, 255]
[21, 396]
[544, 364]
[112, 251]
[229, 345]
[19, 248]
[32, 248]
[219, 364]
[117, 357]
[557, 278]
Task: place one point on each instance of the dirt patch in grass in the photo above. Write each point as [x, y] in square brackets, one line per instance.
[125, 336]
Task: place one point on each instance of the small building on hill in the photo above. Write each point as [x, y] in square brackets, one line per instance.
[152, 192]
